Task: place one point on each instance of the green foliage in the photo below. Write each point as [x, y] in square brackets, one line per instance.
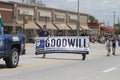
[34, 2]
[92, 19]
[117, 27]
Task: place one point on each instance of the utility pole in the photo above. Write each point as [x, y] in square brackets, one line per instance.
[108, 23]
[114, 18]
[118, 20]
[78, 21]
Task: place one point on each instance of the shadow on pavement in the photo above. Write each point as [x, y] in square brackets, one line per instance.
[58, 58]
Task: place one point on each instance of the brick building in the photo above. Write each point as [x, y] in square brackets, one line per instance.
[57, 20]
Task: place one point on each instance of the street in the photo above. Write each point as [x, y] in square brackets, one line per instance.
[97, 66]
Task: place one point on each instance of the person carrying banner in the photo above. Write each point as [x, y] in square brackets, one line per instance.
[44, 33]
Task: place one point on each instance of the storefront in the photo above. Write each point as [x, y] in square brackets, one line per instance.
[59, 22]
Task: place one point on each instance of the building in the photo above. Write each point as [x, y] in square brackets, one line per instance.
[59, 22]
[94, 28]
[7, 13]
[97, 28]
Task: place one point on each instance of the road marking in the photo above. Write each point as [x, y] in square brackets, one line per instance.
[111, 69]
[34, 65]
[39, 63]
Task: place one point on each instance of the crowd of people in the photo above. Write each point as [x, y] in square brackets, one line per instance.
[111, 44]
[99, 39]
[110, 41]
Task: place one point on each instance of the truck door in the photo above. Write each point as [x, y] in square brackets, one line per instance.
[2, 43]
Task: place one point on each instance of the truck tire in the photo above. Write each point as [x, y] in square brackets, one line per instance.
[13, 59]
[83, 56]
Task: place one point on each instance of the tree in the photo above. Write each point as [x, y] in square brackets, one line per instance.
[36, 2]
[117, 28]
[33, 2]
[39, 3]
[92, 19]
[23, 1]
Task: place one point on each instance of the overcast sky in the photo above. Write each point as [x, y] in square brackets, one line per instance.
[101, 9]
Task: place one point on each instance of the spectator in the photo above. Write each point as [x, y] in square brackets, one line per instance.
[84, 33]
[29, 37]
[119, 40]
[108, 47]
[113, 39]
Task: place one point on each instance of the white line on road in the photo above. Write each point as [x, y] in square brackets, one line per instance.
[111, 69]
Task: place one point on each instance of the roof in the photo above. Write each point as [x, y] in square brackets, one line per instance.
[62, 26]
[109, 29]
[49, 25]
[84, 27]
[29, 25]
[93, 24]
[72, 26]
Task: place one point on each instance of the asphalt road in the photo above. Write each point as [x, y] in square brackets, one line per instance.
[97, 66]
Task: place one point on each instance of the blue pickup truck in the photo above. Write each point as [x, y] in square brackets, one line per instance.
[11, 47]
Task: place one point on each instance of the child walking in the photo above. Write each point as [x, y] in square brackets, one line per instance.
[108, 47]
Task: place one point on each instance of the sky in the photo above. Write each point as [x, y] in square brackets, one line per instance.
[103, 10]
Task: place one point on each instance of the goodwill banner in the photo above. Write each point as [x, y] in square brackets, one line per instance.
[62, 44]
